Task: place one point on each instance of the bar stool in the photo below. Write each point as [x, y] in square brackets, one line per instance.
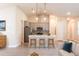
[32, 43]
[50, 43]
[42, 43]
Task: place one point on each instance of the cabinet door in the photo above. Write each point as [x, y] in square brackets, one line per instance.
[2, 41]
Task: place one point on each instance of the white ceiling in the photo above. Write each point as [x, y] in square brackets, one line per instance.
[59, 9]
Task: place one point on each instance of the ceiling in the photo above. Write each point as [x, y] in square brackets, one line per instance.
[59, 9]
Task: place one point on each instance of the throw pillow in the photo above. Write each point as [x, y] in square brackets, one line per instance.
[67, 46]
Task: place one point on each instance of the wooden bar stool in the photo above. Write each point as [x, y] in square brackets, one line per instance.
[32, 43]
[42, 43]
[50, 43]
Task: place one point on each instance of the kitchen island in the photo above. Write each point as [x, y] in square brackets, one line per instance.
[37, 38]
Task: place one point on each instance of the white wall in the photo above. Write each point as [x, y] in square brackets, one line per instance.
[61, 29]
[73, 29]
[52, 24]
[13, 25]
[59, 25]
[20, 18]
[77, 29]
[8, 14]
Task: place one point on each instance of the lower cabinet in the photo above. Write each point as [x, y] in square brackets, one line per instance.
[2, 41]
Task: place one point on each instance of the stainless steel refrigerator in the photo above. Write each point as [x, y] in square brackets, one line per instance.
[27, 32]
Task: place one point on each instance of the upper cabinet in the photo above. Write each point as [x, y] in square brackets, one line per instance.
[42, 22]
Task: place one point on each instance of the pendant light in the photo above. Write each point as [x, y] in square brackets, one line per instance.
[36, 17]
[44, 11]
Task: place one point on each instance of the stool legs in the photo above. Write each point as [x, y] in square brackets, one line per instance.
[32, 43]
[50, 43]
[41, 43]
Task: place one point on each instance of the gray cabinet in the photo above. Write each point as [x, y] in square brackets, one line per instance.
[43, 25]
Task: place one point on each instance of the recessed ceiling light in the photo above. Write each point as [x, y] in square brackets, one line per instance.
[68, 13]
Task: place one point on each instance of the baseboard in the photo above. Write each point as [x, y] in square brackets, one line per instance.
[13, 46]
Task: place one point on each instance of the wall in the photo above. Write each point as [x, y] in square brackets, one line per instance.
[77, 29]
[13, 24]
[58, 27]
[20, 18]
[65, 29]
[71, 29]
[8, 14]
[52, 24]
[61, 29]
